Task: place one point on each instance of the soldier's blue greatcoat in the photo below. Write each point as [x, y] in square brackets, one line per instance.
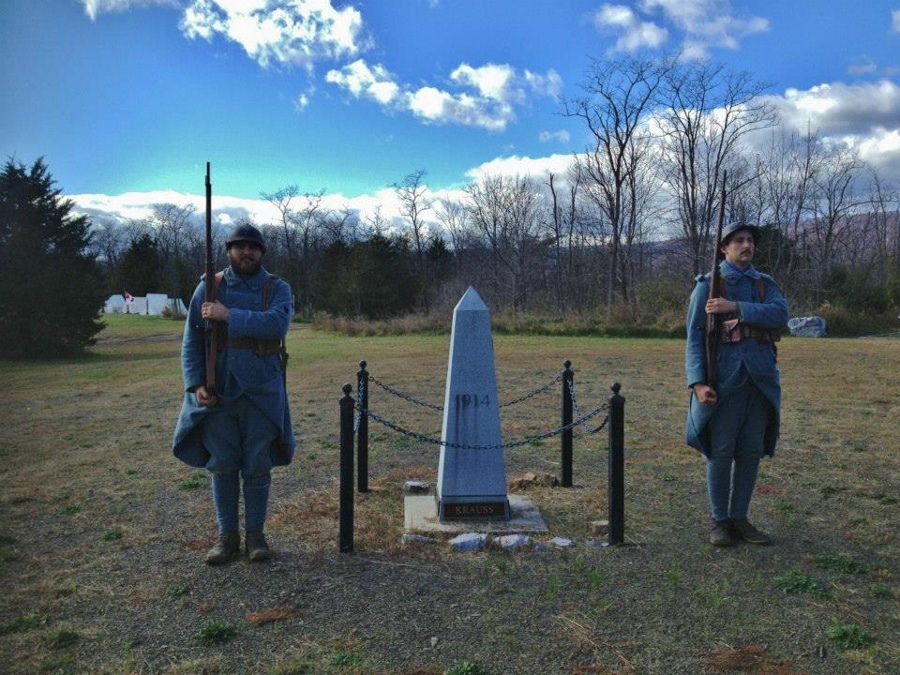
[735, 360]
[239, 371]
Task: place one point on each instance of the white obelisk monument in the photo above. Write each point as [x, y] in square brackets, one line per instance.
[472, 471]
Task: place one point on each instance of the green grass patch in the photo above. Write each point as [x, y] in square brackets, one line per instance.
[850, 636]
[63, 638]
[841, 562]
[197, 480]
[216, 632]
[113, 534]
[798, 581]
[467, 668]
[24, 623]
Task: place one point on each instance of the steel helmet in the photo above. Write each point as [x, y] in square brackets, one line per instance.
[246, 232]
[731, 228]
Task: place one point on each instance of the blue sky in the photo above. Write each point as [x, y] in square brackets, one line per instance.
[134, 96]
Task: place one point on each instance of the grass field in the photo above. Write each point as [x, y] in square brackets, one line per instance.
[104, 532]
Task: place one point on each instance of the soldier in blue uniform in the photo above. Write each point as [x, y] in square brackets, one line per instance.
[244, 429]
[735, 420]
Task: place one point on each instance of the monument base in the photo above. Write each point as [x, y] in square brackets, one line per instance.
[420, 515]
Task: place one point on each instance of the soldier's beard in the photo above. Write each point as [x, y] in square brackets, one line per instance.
[245, 266]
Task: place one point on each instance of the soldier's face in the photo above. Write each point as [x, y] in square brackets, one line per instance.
[740, 249]
[245, 257]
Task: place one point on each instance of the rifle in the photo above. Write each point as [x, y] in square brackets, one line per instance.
[712, 320]
[211, 331]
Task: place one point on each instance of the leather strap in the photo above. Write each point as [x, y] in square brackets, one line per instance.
[260, 347]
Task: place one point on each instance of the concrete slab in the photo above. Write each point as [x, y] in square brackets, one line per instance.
[420, 515]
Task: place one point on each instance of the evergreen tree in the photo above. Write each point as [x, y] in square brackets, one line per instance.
[141, 267]
[51, 290]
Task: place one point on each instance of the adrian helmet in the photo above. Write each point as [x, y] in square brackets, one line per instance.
[731, 228]
[246, 232]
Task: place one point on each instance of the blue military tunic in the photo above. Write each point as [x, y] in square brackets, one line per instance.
[239, 370]
[748, 357]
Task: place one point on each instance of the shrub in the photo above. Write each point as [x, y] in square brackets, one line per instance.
[845, 322]
[215, 632]
[849, 636]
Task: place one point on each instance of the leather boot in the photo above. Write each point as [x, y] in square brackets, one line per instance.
[228, 544]
[256, 546]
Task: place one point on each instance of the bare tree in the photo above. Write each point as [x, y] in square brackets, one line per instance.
[412, 194]
[172, 225]
[618, 100]
[301, 217]
[453, 216]
[835, 200]
[506, 213]
[707, 110]
[563, 224]
[885, 221]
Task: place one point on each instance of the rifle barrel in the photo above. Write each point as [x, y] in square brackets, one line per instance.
[712, 320]
[210, 341]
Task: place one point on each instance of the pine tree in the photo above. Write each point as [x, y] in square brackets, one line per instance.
[51, 290]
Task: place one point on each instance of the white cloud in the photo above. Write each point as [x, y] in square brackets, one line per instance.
[702, 23]
[284, 32]
[536, 167]
[485, 96]
[635, 34]
[365, 81]
[491, 81]
[561, 136]
[840, 108]
[864, 116]
[864, 65]
[94, 8]
[895, 20]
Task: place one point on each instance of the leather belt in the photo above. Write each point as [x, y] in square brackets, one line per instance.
[753, 332]
[260, 347]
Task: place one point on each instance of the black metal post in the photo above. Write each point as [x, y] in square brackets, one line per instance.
[566, 459]
[362, 432]
[616, 466]
[345, 533]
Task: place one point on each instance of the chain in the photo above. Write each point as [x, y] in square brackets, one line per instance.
[405, 397]
[359, 405]
[530, 394]
[433, 406]
[525, 441]
[578, 411]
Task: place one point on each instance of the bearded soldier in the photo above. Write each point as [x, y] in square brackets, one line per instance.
[239, 431]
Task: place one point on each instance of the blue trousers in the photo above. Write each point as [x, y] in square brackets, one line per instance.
[238, 436]
[736, 431]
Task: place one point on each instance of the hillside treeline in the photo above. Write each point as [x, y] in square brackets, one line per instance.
[620, 233]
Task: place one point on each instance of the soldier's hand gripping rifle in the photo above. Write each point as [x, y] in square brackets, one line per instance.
[211, 330]
[712, 320]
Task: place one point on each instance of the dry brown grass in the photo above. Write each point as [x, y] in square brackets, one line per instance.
[103, 534]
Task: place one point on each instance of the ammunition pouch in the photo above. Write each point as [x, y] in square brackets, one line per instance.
[729, 333]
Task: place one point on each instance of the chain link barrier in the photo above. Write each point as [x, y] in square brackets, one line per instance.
[508, 446]
[406, 397]
[581, 419]
[434, 406]
[578, 412]
[359, 406]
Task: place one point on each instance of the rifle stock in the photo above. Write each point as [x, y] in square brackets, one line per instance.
[712, 320]
[211, 333]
